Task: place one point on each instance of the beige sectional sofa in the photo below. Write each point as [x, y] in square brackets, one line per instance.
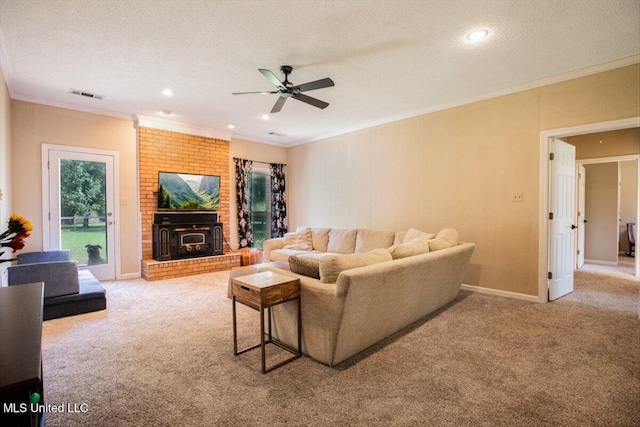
[360, 286]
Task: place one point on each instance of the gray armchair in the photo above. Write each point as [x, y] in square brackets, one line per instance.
[67, 290]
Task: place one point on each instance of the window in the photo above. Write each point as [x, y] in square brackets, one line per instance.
[260, 205]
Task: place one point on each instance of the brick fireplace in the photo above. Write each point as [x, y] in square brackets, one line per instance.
[168, 151]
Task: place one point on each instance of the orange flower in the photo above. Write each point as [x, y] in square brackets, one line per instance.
[18, 223]
[13, 237]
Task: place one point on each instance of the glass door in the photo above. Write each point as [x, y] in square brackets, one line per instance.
[81, 209]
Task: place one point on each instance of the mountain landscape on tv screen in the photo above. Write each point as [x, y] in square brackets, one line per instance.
[188, 192]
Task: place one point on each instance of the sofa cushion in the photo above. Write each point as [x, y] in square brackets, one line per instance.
[300, 241]
[446, 238]
[413, 234]
[307, 266]
[332, 265]
[319, 237]
[342, 241]
[282, 255]
[415, 247]
[368, 240]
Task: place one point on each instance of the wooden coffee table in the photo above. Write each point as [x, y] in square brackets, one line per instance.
[262, 291]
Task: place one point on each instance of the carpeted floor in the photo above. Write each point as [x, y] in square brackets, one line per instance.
[162, 355]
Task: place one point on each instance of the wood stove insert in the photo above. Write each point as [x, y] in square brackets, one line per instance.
[186, 235]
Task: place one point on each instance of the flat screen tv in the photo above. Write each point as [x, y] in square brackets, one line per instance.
[183, 191]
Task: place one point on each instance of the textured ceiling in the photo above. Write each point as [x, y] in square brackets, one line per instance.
[389, 59]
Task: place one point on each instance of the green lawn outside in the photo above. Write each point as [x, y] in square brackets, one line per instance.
[77, 238]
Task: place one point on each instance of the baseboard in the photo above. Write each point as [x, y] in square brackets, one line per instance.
[595, 261]
[129, 276]
[499, 293]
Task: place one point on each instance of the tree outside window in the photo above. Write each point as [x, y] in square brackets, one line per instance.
[260, 202]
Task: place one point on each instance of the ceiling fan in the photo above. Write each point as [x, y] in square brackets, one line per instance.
[286, 89]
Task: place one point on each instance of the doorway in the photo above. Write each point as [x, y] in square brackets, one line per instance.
[546, 257]
[79, 206]
[611, 202]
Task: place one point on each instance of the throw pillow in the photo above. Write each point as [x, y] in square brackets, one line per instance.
[399, 237]
[368, 240]
[413, 234]
[415, 247]
[300, 241]
[342, 241]
[306, 266]
[446, 238]
[332, 265]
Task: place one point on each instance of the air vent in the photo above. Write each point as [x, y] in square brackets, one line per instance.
[277, 134]
[86, 94]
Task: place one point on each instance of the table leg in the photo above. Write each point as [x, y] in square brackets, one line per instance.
[299, 329]
[235, 328]
[262, 343]
[269, 320]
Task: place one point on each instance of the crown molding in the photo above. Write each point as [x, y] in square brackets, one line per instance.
[160, 124]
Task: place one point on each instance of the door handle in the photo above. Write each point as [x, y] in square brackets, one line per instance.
[573, 226]
[585, 221]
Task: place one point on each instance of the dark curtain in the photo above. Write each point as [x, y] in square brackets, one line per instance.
[243, 190]
[278, 201]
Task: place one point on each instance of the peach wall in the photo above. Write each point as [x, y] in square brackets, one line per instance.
[36, 124]
[601, 210]
[459, 168]
[605, 144]
[5, 157]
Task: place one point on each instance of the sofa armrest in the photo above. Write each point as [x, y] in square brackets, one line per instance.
[60, 277]
[270, 245]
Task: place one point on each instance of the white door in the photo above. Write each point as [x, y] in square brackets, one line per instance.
[81, 205]
[562, 251]
[581, 221]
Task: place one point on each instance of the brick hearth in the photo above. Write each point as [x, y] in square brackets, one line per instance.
[158, 270]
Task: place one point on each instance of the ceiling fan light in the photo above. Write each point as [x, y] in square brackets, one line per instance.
[167, 92]
[265, 117]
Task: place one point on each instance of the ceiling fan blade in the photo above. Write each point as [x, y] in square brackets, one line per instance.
[318, 84]
[272, 78]
[311, 101]
[278, 105]
[253, 93]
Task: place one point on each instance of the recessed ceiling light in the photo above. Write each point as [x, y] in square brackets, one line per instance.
[231, 127]
[167, 112]
[167, 92]
[265, 117]
[477, 35]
